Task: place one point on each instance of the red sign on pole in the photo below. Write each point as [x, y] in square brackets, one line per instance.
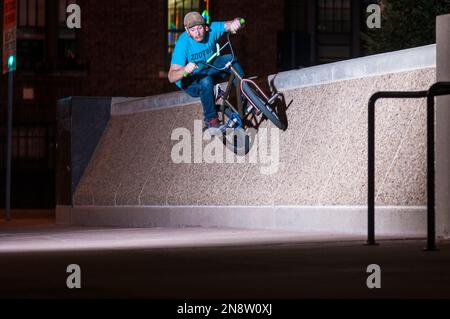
[9, 35]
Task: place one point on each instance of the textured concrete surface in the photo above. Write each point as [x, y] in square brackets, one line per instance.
[331, 220]
[213, 263]
[323, 159]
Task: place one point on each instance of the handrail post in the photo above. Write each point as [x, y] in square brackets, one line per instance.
[371, 174]
[371, 154]
[431, 213]
[438, 88]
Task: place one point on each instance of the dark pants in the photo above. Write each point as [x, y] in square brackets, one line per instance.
[202, 83]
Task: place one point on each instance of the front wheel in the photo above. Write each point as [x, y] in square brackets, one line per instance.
[265, 108]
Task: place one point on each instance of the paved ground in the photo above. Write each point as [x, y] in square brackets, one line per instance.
[212, 263]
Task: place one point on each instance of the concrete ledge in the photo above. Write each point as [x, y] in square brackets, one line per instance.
[378, 64]
[123, 106]
[352, 220]
[130, 105]
[63, 215]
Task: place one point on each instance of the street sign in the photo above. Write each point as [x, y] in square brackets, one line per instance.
[9, 35]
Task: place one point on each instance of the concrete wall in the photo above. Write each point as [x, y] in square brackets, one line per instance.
[81, 123]
[322, 172]
[322, 154]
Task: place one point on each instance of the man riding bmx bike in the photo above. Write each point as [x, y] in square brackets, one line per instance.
[196, 45]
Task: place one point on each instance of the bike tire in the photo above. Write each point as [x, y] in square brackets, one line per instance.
[245, 143]
[267, 110]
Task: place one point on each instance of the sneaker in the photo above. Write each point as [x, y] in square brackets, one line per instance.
[212, 123]
[214, 127]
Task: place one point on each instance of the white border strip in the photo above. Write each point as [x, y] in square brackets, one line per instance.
[373, 65]
[352, 220]
[124, 106]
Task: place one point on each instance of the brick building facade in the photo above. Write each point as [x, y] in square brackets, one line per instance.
[122, 50]
[127, 49]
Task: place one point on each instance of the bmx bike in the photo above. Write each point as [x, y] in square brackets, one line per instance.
[237, 115]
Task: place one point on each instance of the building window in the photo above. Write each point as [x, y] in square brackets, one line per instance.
[29, 143]
[30, 54]
[333, 30]
[31, 34]
[67, 51]
[293, 43]
[176, 9]
[295, 15]
[62, 14]
[334, 16]
[32, 145]
[31, 13]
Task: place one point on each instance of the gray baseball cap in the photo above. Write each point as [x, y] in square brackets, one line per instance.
[193, 18]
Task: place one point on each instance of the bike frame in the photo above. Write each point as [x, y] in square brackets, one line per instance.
[225, 98]
[239, 86]
[240, 92]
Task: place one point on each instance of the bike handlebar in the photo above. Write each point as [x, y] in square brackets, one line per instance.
[242, 22]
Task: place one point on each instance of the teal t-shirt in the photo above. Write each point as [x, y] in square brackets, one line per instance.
[188, 50]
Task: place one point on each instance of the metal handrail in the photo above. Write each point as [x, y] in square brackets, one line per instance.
[439, 88]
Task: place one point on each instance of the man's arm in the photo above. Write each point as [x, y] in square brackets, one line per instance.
[176, 72]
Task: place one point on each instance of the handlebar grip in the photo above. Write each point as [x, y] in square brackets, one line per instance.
[242, 22]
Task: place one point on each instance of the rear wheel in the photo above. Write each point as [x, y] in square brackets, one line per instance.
[236, 139]
[260, 103]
